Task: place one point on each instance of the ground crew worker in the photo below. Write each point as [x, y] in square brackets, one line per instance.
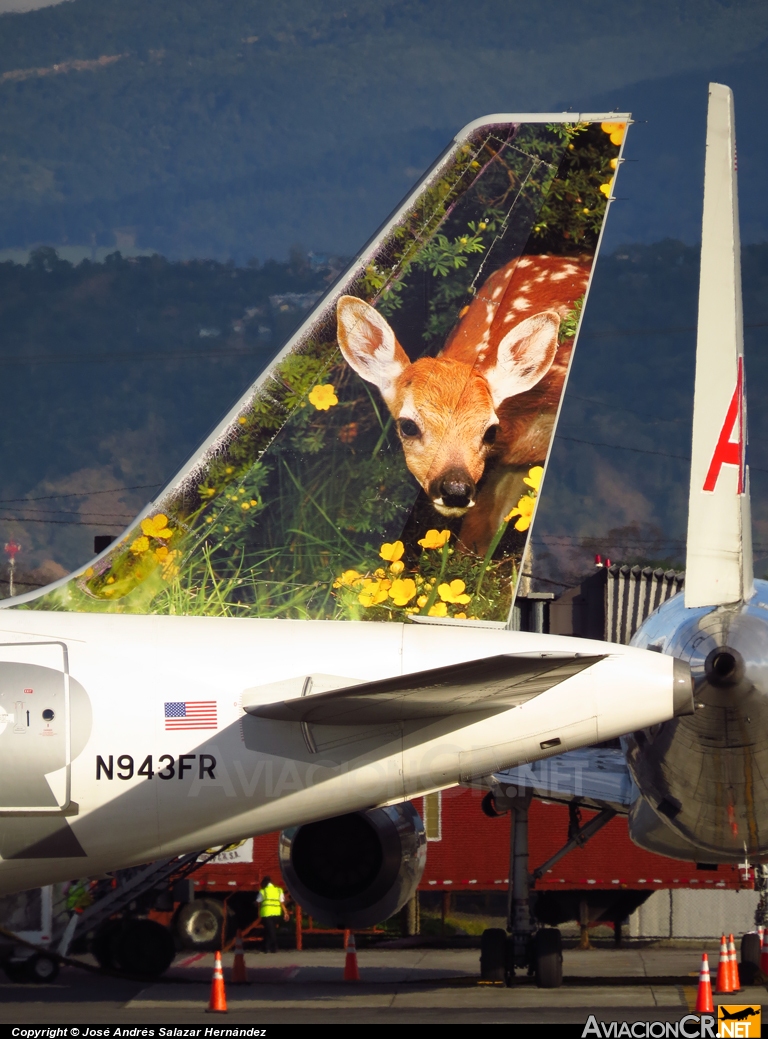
[271, 899]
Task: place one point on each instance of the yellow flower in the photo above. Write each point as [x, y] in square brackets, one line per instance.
[229, 470]
[244, 506]
[323, 397]
[421, 602]
[140, 545]
[157, 526]
[459, 616]
[402, 591]
[397, 567]
[161, 553]
[438, 610]
[348, 578]
[110, 580]
[242, 420]
[373, 592]
[453, 592]
[615, 131]
[392, 552]
[482, 225]
[381, 573]
[169, 567]
[533, 479]
[207, 492]
[434, 538]
[524, 510]
[614, 163]
[254, 503]
[209, 519]
[89, 572]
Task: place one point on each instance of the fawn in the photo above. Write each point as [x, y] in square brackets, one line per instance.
[485, 408]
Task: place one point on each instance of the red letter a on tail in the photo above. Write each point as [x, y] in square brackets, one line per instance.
[729, 451]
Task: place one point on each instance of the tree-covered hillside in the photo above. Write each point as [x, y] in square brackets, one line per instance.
[113, 373]
[232, 129]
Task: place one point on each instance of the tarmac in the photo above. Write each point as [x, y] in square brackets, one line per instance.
[416, 984]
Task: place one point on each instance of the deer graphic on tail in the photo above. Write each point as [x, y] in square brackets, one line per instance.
[473, 420]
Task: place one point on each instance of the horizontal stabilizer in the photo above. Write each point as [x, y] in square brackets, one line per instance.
[493, 684]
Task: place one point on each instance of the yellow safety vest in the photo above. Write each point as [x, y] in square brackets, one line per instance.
[270, 901]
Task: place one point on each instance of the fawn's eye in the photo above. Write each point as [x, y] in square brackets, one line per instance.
[408, 428]
[489, 437]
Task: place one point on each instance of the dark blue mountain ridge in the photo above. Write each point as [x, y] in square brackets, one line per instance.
[232, 130]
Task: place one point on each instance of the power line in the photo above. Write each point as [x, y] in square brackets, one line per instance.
[212, 355]
[641, 450]
[127, 355]
[622, 409]
[64, 523]
[663, 330]
[82, 494]
[636, 450]
[63, 512]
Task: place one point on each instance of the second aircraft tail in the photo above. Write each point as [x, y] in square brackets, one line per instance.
[719, 550]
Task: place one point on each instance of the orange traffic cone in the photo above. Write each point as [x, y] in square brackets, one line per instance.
[724, 969]
[704, 1004]
[351, 972]
[239, 976]
[734, 961]
[218, 1000]
[764, 953]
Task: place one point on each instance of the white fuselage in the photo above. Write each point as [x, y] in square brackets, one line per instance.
[128, 787]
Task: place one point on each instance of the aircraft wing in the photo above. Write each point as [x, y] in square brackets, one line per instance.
[493, 684]
[596, 777]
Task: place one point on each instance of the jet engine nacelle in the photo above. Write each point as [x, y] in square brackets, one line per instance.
[355, 870]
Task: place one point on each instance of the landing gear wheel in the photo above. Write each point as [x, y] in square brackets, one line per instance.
[145, 947]
[548, 958]
[493, 945]
[104, 944]
[198, 925]
[750, 957]
[42, 969]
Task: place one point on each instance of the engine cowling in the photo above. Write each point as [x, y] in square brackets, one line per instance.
[355, 870]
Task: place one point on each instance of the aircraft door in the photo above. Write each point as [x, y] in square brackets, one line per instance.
[34, 727]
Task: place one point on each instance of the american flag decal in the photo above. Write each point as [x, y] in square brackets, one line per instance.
[190, 714]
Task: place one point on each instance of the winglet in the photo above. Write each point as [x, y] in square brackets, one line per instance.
[719, 563]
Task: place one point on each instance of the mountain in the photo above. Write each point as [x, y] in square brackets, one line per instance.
[114, 372]
[617, 482]
[230, 130]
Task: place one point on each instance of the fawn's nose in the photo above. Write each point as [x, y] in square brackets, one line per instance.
[454, 489]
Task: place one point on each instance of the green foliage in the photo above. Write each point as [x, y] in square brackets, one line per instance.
[309, 479]
[572, 212]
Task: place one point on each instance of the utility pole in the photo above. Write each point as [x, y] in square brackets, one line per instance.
[11, 548]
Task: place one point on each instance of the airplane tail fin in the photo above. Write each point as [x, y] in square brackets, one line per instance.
[359, 478]
[719, 548]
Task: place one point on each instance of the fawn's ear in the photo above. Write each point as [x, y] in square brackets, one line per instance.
[524, 357]
[369, 345]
